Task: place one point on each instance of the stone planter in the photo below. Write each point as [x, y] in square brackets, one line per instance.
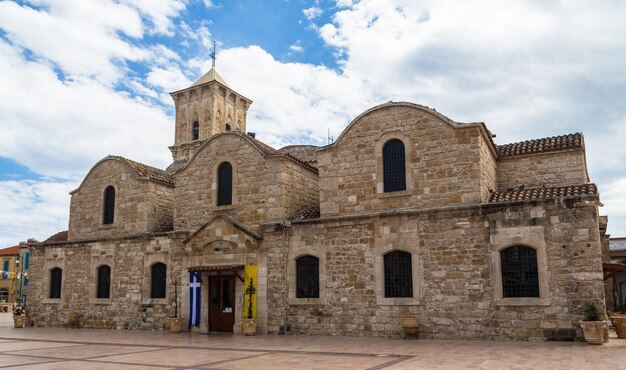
[248, 326]
[594, 331]
[19, 321]
[409, 325]
[175, 324]
[619, 323]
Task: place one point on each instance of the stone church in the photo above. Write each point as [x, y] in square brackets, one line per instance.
[407, 214]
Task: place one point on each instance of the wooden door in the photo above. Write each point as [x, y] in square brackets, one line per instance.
[221, 303]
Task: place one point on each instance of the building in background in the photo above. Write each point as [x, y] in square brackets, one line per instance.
[617, 247]
[14, 262]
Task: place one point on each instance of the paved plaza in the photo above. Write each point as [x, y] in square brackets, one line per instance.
[58, 348]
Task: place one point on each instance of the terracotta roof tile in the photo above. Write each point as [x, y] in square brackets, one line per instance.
[57, 238]
[542, 193]
[264, 147]
[10, 251]
[152, 173]
[308, 213]
[548, 144]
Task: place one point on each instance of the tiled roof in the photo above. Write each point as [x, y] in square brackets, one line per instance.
[57, 238]
[152, 173]
[548, 144]
[264, 147]
[542, 193]
[10, 251]
[308, 213]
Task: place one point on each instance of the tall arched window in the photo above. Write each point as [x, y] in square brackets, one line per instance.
[158, 277]
[104, 282]
[224, 184]
[394, 171]
[520, 277]
[109, 205]
[307, 277]
[56, 276]
[195, 130]
[398, 275]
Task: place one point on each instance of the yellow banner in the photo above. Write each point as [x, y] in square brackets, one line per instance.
[250, 291]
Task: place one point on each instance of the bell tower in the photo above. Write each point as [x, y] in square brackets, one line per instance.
[208, 107]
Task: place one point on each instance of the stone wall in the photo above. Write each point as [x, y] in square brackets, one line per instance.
[140, 205]
[487, 169]
[260, 185]
[306, 153]
[129, 306]
[454, 253]
[546, 169]
[443, 162]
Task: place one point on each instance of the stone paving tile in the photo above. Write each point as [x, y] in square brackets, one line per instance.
[82, 365]
[62, 348]
[85, 351]
[12, 361]
[277, 361]
[179, 357]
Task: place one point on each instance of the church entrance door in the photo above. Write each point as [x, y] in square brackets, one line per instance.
[221, 303]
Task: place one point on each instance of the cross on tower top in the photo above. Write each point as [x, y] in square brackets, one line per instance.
[213, 54]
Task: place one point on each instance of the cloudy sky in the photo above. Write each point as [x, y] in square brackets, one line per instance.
[83, 79]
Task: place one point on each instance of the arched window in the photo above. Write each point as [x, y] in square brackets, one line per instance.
[158, 277]
[398, 275]
[307, 277]
[224, 184]
[228, 127]
[109, 205]
[104, 282]
[519, 272]
[56, 275]
[394, 171]
[195, 130]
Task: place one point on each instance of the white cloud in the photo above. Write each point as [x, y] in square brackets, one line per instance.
[312, 12]
[61, 129]
[159, 12]
[33, 209]
[80, 37]
[209, 4]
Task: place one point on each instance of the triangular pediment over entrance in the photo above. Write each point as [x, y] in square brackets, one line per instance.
[222, 233]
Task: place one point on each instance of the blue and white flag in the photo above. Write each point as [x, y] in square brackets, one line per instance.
[194, 299]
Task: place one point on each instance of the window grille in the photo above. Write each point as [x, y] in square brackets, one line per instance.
[394, 171]
[307, 277]
[519, 272]
[398, 275]
[4, 294]
[158, 279]
[224, 184]
[195, 131]
[56, 275]
[104, 282]
[109, 205]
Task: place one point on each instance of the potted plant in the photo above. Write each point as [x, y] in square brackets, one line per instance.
[593, 327]
[618, 319]
[19, 318]
[248, 324]
[175, 323]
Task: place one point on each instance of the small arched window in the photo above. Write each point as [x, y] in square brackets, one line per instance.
[224, 184]
[158, 277]
[228, 127]
[520, 277]
[56, 276]
[104, 282]
[394, 170]
[307, 277]
[109, 205]
[195, 130]
[398, 275]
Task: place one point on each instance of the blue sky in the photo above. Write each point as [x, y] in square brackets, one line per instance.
[84, 79]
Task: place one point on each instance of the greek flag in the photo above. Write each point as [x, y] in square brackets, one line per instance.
[194, 299]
